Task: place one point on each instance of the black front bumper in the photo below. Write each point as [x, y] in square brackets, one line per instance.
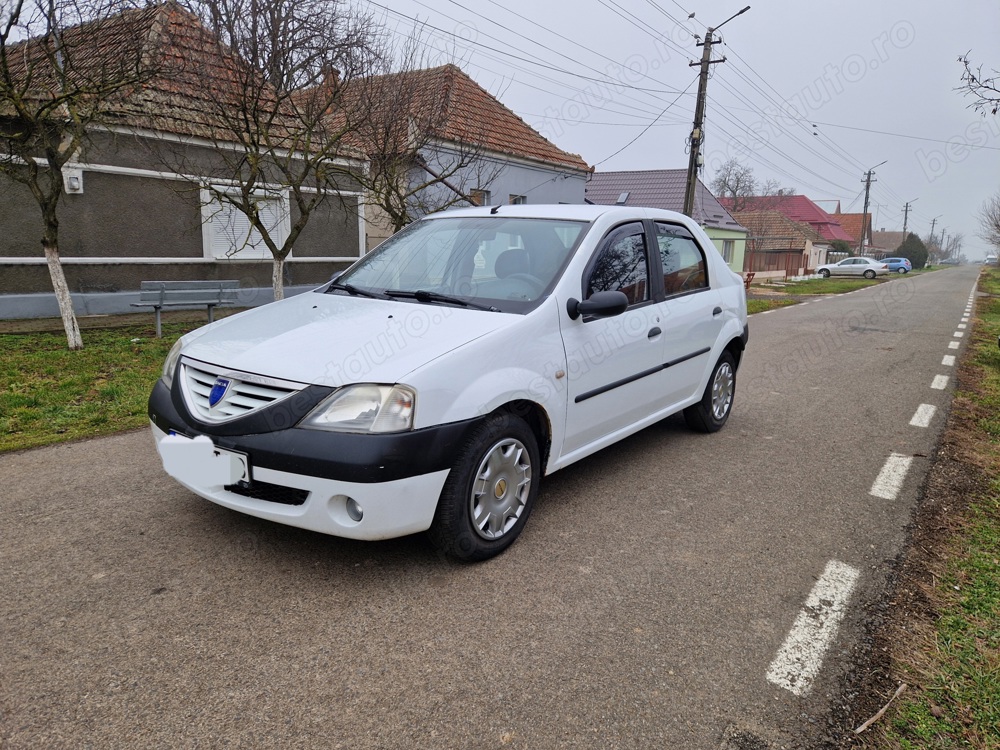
[348, 457]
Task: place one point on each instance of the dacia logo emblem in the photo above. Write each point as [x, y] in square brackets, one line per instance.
[219, 391]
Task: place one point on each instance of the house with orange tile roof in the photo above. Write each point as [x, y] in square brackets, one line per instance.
[795, 207]
[455, 144]
[780, 247]
[135, 206]
[855, 225]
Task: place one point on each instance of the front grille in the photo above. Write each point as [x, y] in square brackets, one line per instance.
[245, 393]
[272, 493]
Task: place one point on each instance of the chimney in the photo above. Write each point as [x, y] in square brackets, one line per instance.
[331, 77]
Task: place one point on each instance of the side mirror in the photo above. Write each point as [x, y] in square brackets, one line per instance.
[599, 304]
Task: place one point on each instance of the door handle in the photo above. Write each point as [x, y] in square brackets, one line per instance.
[717, 311]
[654, 332]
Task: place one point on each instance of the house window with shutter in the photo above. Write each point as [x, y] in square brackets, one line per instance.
[227, 233]
[517, 200]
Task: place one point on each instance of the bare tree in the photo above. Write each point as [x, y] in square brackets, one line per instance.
[989, 220]
[286, 62]
[983, 88]
[737, 182]
[56, 86]
[420, 159]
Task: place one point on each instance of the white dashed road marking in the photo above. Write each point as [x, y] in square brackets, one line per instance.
[940, 382]
[958, 334]
[889, 481]
[949, 360]
[924, 415]
[801, 656]
[953, 345]
[961, 326]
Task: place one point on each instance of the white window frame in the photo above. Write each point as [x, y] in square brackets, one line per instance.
[212, 226]
[728, 248]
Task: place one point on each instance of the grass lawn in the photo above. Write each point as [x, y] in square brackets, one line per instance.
[49, 394]
[954, 662]
[827, 286]
[761, 305]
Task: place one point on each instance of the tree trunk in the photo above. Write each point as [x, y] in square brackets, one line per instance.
[278, 278]
[73, 338]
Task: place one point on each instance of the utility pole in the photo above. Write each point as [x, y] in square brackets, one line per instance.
[868, 186]
[906, 213]
[695, 158]
[933, 222]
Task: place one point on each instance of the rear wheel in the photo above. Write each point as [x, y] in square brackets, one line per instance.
[711, 413]
[901, 269]
[824, 272]
[869, 274]
[490, 490]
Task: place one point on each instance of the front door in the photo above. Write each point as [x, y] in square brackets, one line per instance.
[614, 365]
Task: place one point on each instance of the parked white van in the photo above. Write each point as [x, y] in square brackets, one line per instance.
[432, 384]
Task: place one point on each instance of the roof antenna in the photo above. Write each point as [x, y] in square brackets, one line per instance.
[493, 211]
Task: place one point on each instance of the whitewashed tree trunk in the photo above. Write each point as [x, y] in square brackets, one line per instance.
[278, 279]
[73, 338]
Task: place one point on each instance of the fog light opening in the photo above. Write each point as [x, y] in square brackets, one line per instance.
[354, 510]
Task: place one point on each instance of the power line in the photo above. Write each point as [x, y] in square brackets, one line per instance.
[527, 60]
[645, 129]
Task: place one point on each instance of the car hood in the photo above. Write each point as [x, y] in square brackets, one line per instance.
[333, 339]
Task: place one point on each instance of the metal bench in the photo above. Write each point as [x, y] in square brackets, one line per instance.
[160, 294]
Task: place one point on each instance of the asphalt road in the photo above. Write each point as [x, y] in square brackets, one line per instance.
[648, 601]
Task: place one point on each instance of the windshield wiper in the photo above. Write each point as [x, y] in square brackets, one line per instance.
[355, 291]
[422, 295]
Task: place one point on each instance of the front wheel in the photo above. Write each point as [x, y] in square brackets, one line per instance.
[869, 274]
[490, 490]
[901, 270]
[824, 272]
[711, 413]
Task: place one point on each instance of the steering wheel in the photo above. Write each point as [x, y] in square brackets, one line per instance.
[537, 284]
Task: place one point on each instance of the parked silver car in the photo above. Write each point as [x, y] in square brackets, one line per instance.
[854, 267]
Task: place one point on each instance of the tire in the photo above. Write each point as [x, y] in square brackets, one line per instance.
[824, 272]
[490, 490]
[901, 269]
[712, 412]
[869, 274]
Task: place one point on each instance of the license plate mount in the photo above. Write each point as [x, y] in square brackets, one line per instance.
[198, 461]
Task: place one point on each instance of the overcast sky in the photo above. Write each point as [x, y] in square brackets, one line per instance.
[870, 82]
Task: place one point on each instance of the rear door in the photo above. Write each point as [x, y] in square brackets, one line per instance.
[692, 318]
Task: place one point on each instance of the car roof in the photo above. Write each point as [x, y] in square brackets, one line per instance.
[575, 212]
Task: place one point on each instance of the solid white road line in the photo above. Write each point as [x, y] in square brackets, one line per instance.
[801, 656]
[940, 382]
[953, 345]
[889, 481]
[924, 415]
[948, 360]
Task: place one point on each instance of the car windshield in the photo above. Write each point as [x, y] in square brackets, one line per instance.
[505, 264]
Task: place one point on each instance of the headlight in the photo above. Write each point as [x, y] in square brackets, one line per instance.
[365, 408]
[170, 366]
